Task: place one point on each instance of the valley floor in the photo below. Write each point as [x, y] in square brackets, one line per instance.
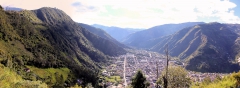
[127, 65]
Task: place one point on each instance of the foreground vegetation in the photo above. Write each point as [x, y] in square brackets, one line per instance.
[177, 78]
[230, 81]
[139, 81]
[10, 79]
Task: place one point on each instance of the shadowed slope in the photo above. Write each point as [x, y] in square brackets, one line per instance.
[206, 47]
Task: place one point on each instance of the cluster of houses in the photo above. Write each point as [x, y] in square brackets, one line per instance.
[146, 63]
[199, 77]
[151, 65]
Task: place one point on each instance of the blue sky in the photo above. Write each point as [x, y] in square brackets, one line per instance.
[139, 13]
[237, 8]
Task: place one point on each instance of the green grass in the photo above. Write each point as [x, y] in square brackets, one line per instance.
[9, 79]
[113, 79]
[77, 61]
[50, 72]
[226, 82]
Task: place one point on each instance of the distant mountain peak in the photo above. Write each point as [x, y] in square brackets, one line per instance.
[117, 32]
[52, 15]
[9, 8]
[139, 39]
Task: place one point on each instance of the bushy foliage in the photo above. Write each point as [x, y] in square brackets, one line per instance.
[9, 79]
[177, 78]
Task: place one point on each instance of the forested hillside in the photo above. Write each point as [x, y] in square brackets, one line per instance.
[47, 45]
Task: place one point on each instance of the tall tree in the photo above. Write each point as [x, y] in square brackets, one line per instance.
[177, 78]
[139, 80]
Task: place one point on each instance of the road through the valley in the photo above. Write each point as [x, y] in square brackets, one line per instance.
[124, 73]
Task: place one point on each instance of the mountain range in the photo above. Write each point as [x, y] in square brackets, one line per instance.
[60, 51]
[116, 32]
[139, 39]
[204, 47]
[7, 8]
[101, 33]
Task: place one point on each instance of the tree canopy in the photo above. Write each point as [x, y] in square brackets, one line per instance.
[139, 80]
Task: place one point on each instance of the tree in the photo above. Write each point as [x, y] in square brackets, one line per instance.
[1, 8]
[177, 78]
[139, 80]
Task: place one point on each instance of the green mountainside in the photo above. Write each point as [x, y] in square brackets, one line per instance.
[211, 47]
[55, 49]
[10, 79]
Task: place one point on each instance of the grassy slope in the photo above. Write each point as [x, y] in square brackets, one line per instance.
[15, 56]
[50, 74]
[230, 81]
[10, 79]
[113, 79]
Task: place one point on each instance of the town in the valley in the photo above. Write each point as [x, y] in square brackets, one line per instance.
[150, 63]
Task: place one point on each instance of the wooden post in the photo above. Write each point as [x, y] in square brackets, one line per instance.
[157, 73]
[165, 78]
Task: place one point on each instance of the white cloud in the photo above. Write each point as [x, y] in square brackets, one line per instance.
[148, 13]
[138, 13]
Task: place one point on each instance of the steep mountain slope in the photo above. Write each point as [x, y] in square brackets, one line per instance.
[45, 44]
[101, 33]
[208, 47]
[139, 39]
[118, 33]
[72, 28]
[235, 28]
